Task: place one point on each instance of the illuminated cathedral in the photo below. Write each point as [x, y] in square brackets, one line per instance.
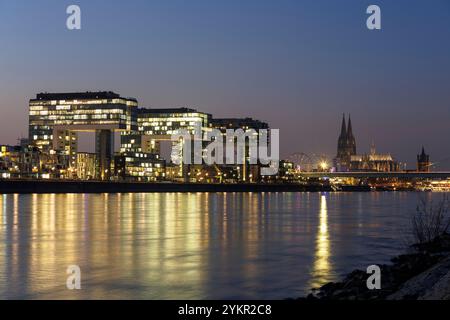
[346, 146]
[347, 159]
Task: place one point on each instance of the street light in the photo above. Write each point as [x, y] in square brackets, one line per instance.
[324, 165]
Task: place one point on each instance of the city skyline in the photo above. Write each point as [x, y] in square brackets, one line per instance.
[85, 139]
[394, 82]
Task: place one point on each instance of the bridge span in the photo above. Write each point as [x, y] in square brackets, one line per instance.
[388, 175]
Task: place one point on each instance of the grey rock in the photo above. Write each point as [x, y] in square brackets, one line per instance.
[432, 284]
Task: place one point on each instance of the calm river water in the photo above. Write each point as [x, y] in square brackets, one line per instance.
[195, 246]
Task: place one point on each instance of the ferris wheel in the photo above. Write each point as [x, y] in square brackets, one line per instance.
[308, 162]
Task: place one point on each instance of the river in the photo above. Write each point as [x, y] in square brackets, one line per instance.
[195, 245]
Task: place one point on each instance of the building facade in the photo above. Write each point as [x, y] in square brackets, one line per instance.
[157, 125]
[245, 172]
[374, 162]
[154, 126]
[21, 161]
[86, 165]
[55, 119]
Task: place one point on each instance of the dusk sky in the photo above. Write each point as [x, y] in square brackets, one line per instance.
[296, 64]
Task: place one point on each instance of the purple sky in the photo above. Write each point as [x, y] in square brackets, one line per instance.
[295, 64]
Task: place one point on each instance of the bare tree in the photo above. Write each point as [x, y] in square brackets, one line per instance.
[430, 220]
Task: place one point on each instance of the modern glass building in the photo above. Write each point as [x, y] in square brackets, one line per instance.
[55, 119]
[156, 125]
[245, 172]
[140, 166]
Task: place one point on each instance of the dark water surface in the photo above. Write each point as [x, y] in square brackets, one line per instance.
[195, 246]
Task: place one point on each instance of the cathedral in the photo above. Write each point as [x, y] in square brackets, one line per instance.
[346, 146]
[348, 160]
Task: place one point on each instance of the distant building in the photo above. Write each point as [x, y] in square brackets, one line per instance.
[373, 162]
[286, 173]
[30, 161]
[423, 162]
[140, 166]
[24, 142]
[246, 172]
[238, 123]
[348, 160]
[20, 162]
[153, 127]
[55, 119]
[86, 165]
[156, 125]
[346, 146]
[9, 161]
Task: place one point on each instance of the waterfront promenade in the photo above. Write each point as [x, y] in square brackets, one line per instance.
[72, 186]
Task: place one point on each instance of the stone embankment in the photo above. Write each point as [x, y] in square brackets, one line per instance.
[422, 275]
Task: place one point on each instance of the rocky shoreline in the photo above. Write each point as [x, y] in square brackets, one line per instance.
[421, 275]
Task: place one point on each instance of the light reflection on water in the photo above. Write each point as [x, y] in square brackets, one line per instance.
[322, 268]
[194, 246]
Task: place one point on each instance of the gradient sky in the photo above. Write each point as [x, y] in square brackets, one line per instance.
[295, 64]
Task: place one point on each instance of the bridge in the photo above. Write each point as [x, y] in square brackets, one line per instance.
[405, 175]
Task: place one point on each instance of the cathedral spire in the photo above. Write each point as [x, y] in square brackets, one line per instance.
[351, 141]
[349, 130]
[372, 148]
[343, 127]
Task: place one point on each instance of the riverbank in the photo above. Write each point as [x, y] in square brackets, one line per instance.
[26, 186]
[421, 275]
[58, 186]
